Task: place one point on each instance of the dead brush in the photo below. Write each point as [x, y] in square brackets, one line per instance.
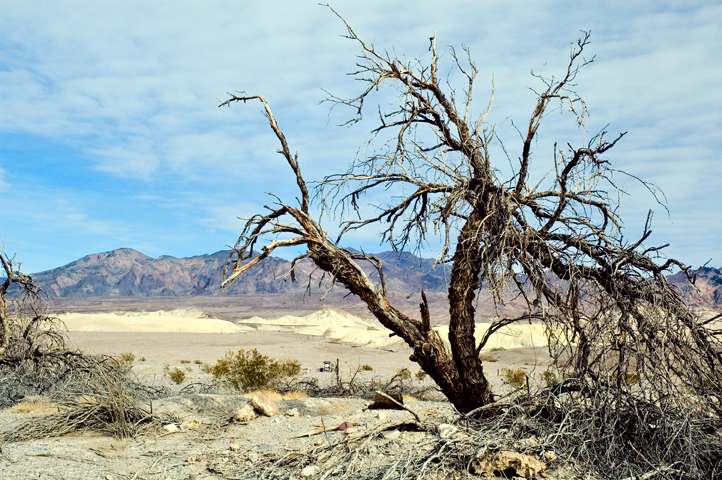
[102, 398]
[358, 386]
[92, 392]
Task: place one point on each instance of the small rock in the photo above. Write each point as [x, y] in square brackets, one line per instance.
[351, 430]
[244, 413]
[550, 455]
[253, 457]
[171, 428]
[383, 415]
[345, 426]
[447, 431]
[391, 434]
[292, 412]
[264, 405]
[308, 471]
[192, 459]
[234, 447]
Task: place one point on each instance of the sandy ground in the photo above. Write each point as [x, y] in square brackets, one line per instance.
[187, 337]
[202, 446]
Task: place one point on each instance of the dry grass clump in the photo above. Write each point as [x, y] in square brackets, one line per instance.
[35, 405]
[97, 395]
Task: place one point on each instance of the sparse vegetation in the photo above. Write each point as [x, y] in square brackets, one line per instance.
[197, 362]
[487, 358]
[92, 392]
[176, 375]
[185, 361]
[549, 378]
[497, 349]
[367, 367]
[141, 359]
[516, 377]
[421, 375]
[126, 359]
[246, 370]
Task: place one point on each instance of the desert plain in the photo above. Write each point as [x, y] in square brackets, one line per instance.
[187, 332]
[169, 330]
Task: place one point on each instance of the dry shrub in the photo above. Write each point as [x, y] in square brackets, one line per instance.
[88, 392]
[487, 358]
[247, 370]
[358, 386]
[97, 395]
[126, 359]
[35, 405]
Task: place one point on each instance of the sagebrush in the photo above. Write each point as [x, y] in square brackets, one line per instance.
[245, 370]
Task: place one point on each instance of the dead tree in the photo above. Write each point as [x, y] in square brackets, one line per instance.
[556, 241]
[26, 332]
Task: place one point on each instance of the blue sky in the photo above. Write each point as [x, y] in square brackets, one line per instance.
[110, 135]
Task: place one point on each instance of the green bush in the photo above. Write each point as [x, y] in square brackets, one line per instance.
[516, 377]
[497, 349]
[367, 367]
[420, 375]
[249, 370]
[185, 361]
[176, 375]
[197, 362]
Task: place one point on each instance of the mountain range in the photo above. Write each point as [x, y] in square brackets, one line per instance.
[127, 272]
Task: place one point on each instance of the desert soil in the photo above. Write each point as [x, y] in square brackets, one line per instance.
[202, 446]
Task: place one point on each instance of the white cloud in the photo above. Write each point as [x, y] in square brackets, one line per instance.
[130, 88]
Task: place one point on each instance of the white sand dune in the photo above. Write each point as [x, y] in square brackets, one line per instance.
[182, 320]
[345, 327]
[331, 323]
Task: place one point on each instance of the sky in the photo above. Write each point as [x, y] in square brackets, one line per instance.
[111, 135]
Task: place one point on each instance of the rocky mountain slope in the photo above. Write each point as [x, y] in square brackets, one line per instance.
[707, 288]
[127, 272]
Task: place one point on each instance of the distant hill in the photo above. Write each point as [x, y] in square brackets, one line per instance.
[127, 272]
[707, 288]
